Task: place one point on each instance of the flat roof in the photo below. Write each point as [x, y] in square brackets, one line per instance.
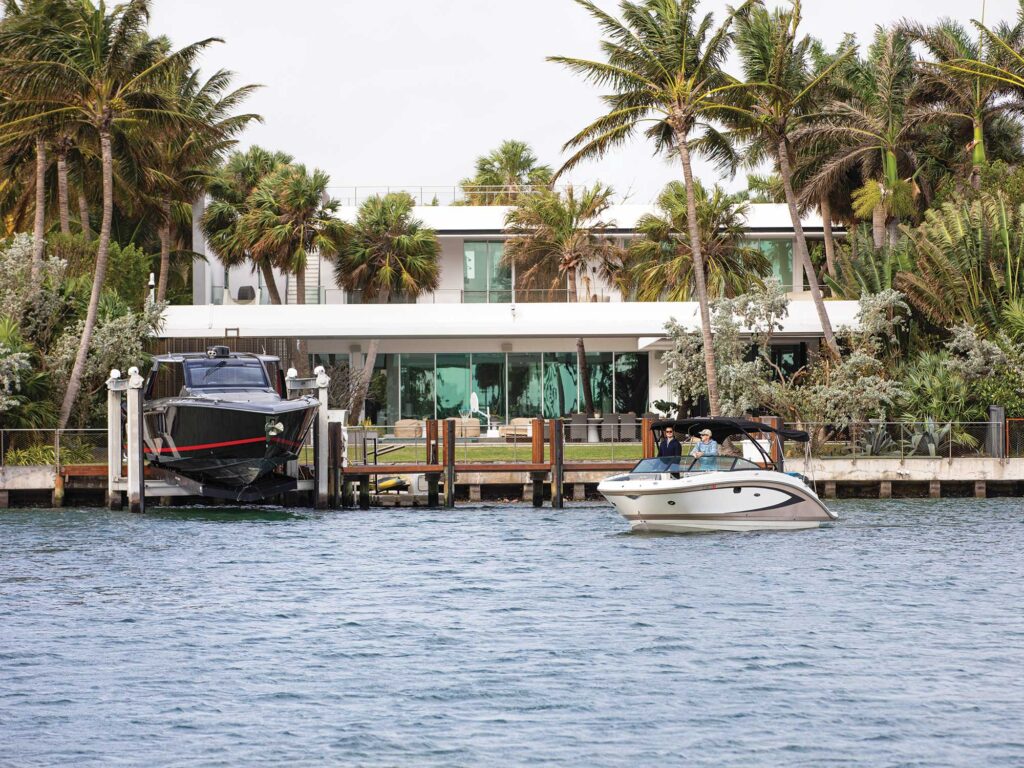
[644, 321]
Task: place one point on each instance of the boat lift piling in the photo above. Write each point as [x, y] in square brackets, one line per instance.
[130, 434]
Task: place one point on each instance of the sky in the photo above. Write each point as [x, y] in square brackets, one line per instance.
[409, 92]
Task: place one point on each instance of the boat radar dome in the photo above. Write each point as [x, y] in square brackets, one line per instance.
[218, 351]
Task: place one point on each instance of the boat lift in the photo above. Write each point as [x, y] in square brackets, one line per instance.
[130, 476]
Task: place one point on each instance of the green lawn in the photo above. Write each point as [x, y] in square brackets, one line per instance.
[501, 453]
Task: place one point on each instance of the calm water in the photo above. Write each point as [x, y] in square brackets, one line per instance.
[507, 636]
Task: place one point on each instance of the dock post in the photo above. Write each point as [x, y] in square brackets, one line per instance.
[5, 499]
[980, 489]
[885, 489]
[433, 479]
[334, 464]
[449, 463]
[364, 491]
[136, 469]
[934, 489]
[537, 488]
[830, 489]
[347, 496]
[320, 440]
[557, 465]
[115, 438]
[647, 438]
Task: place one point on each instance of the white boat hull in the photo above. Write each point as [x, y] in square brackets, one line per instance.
[760, 500]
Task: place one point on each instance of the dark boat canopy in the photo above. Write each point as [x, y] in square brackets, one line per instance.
[724, 428]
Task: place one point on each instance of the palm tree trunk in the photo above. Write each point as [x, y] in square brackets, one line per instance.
[83, 215]
[300, 284]
[358, 400]
[878, 226]
[978, 156]
[269, 282]
[893, 231]
[165, 249]
[102, 251]
[830, 242]
[39, 227]
[588, 391]
[700, 287]
[801, 248]
[62, 193]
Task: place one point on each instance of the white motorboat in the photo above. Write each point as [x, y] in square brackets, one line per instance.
[686, 494]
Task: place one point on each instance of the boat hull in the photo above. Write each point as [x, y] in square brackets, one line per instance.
[228, 443]
[716, 501]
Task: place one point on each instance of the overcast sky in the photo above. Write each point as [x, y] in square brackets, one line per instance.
[409, 92]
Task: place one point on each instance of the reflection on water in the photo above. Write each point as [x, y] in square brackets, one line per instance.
[508, 636]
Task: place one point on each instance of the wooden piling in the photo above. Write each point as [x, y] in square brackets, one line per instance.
[364, 491]
[334, 461]
[830, 489]
[934, 489]
[557, 465]
[980, 489]
[885, 489]
[647, 438]
[449, 463]
[433, 479]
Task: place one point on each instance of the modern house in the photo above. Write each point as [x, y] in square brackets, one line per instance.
[480, 332]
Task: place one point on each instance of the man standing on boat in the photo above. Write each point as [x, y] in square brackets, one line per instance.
[706, 450]
[668, 445]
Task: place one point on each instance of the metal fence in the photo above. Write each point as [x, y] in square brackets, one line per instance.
[51, 447]
[462, 296]
[904, 440]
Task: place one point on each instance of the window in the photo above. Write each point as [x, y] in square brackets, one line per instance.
[486, 280]
[631, 383]
[524, 385]
[780, 254]
[488, 381]
[561, 384]
[452, 385]
[416, 393]
[599, 365]
[231, 373]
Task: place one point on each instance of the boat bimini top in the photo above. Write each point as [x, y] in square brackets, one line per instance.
[724, 428]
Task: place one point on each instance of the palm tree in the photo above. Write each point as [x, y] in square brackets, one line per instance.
[386, 253]
[660, 265]
[876, 128]
[663, 65]
[558, 240]
[99, 71]
[178, 161]
[503, 174]
[782, 94]
[291, 216]
[965, 102]
[231, 189]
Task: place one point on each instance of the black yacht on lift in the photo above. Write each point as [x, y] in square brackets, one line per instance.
[222, 417]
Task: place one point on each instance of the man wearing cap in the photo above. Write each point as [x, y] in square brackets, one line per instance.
[706, 450]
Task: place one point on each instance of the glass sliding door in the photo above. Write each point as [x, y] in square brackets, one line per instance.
[488, 381]
[631, 383]
[486, 280]
[452, 385]
[561, 384]
[416, 377]
[599, 365]
[524, 386]
[780, 254]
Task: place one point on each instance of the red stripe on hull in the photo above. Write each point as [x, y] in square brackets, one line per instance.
[226, 444]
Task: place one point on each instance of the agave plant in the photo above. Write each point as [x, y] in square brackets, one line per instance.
[875, 440]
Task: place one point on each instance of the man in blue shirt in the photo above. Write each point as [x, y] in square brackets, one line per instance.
[706, 450]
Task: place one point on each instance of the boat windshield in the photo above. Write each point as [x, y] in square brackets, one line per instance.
[680, 464]
[232, 373]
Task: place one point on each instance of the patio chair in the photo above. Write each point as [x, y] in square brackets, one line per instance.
[578, 428]
[629, 428]
[610, 428]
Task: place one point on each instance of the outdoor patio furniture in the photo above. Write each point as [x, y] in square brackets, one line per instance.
[469, 427]
[629, 428]
[578, 428]
[517, 430]
[408, 428]
[610, 428]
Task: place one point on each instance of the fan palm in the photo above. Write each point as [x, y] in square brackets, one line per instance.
[663, 65]
[874, 127]
[660, 264]
[558, 240]
[386, 253]
[502, 175]
[231, 189]
[291, 216]
[782, 94]
[178, 161]
[100, 71]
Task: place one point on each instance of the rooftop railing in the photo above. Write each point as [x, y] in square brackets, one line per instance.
[456, 194]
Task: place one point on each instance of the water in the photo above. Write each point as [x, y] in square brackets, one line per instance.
[509, 636]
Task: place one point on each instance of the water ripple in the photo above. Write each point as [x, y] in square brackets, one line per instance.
[502, 636]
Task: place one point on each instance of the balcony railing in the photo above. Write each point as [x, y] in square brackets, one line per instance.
[456, 194]
[461, 296]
